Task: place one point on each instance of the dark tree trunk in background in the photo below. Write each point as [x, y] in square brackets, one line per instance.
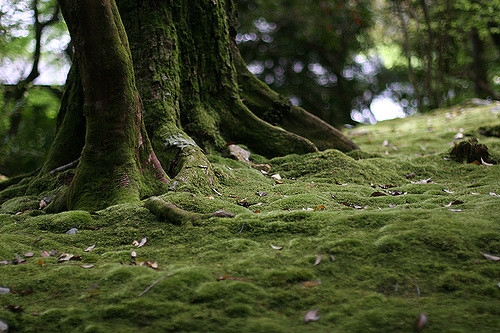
[196, 96]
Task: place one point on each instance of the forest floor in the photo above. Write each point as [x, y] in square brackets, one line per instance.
[396, 239]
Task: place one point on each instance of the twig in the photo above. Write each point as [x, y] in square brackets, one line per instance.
[418, 289]
[65, 167]
[241, 229]
[154, 284]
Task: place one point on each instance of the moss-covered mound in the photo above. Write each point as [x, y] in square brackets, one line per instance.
[371, 240]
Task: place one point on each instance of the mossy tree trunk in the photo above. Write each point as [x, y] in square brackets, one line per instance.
[196, 96]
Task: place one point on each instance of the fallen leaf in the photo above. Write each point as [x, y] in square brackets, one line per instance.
[153, 264]
[455, 210]
[209, 197]
[4, 291]
[490, 257]
[392, 205]
[332, 257]
[261, 194]
[311, 315]
[15, 308]
[42, 204]
[133, 254]
[217, 192]
[86, 266]
[378, 194]
[396, 192]
[18, 259]
[52, 253]
[65, 257]
[72, 231]
[256, 211]
[476, 162]
[318, 259]
[143, 241]
[90, 248]
[28, 254]
[385, 187]
[421, 321]
[494, 194]
[277, 247]
[485, 163]
[278, 181]
[311, 283]
[320, 208]
[456, 202]
[276, 176]
[232, 196]
[410, 175]
[40, 262]
[4, 262]
[447, 191]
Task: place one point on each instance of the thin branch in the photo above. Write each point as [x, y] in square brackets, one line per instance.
[154, 284]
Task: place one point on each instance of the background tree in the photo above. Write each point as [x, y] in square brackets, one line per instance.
[307, 50]
[32, 38]
[449, 46]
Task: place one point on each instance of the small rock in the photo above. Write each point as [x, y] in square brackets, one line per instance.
[238, 153]
[4, 328]
[72, 231]
[4, 290]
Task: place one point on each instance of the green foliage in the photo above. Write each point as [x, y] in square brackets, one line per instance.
[25, 150]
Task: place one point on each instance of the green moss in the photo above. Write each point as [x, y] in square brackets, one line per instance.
[396, 257]
[19, 204]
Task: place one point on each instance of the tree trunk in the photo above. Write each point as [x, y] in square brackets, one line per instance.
[196, 97]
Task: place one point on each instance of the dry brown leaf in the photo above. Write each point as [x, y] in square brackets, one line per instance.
[277, 247]
[44, 254]
[318, 259]
[28, 254]
[311, 315]
[311, 283]
[152, 264]
[320, 208]
[135, 243]
[378, 194]
[143, 241]
[490, 257]
[209, 197]
[421, 321]
[90, 248]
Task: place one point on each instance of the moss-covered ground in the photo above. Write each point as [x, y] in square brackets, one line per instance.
[316, 239]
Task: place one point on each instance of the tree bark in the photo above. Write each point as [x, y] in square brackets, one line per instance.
[196, 97]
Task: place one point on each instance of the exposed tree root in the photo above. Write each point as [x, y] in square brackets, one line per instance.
[173, 214]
